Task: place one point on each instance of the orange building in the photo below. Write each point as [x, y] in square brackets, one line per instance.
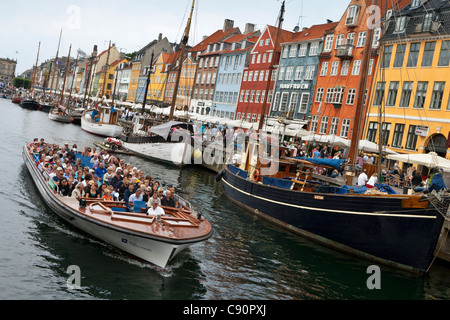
[339, 74]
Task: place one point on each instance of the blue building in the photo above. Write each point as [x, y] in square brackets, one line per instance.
[297, 73]
[229, 75]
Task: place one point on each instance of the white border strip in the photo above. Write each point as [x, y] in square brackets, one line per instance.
[332, 211]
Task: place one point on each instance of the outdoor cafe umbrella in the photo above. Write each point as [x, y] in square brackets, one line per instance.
[430, 160]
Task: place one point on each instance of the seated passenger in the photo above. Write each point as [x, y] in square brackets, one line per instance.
[168, 200]
[78, 192]
[155, 209]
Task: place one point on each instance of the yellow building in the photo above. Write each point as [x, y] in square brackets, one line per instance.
[187, 78]
[158, 78]
[134, 81]
[411, 89]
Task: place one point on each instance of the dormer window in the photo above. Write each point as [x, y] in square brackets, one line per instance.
[415, 3]
[427, 22]
[400, 24]
[352, 16]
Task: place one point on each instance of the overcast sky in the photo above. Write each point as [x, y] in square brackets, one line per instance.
[132, 24]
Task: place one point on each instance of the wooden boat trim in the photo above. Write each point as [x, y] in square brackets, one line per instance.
[323, 197]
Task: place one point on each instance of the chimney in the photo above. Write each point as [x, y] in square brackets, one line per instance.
[94, 52]
[249, 28]
[228, 24]
[304, 28]
[204, 37]
[160, 37]
[329, 21]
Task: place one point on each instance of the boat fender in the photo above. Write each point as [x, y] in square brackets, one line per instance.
[219, 176]
[255, 175]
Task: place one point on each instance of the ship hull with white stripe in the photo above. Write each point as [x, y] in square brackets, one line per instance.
[384, 229]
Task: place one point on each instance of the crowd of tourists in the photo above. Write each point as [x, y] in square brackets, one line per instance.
[107, 177]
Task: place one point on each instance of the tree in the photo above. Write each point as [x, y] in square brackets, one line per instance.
[22, 83]
[130, 56]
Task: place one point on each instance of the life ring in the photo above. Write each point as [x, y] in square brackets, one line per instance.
[255, 175]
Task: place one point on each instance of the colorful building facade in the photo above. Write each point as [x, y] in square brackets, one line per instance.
[412, 88]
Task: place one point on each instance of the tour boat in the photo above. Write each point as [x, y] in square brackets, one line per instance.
[144, 236]
[101, 121]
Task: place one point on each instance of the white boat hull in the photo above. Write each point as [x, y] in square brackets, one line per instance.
[101, 129]
[175, 153]
[59, 117]
[146, 247]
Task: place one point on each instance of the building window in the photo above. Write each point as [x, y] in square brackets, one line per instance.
[324, 70]
[352, 15]
[345, 128]
[314, 49]
[345, 66]
[385, 130]
[379, 94]
[285, 52]
[421, 93]
[356, 67]
[334, 125]
[372, 131]
[329, 96]
[411, 139]
[444, 56]
[284, 101]
[319, 95]
[302, 51]
[361, 39]
[351, 96]
[275, 101]
[323, 125]
[289, 73]
[386, 57]
[298, 72]
[328, 43]
[339, 41]
[399, 55]
[413, 54]
[428, 54]
[398, 135]
[314, 123]
[427, 22]
[436, 97]
[392, 94]
[281, 73]
[293, 102]
[406, 94]
[309, 74]
[415, 3]
[334, 68]
[400, 24]
[304, 102]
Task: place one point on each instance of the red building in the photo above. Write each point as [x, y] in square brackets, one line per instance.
[255, 75]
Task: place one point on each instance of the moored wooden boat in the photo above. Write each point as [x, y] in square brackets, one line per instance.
[145, 237]
[101, 121]
[30, 104]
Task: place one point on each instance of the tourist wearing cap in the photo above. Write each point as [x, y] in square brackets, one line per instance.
[155, 209]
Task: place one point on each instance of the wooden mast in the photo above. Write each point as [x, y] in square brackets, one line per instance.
[360, 106]
[106, 70]
[147, 83]
[65, 76]
[180, 62]
[74, 76]
[35, 70]
[272, 63]
[56, 62]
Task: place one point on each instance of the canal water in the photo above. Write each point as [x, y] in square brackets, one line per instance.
[246, 258]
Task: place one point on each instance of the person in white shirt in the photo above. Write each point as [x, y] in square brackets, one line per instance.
[362, 178]
[372, 181]
[155, 209]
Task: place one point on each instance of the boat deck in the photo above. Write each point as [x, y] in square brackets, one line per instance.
[176, 224]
